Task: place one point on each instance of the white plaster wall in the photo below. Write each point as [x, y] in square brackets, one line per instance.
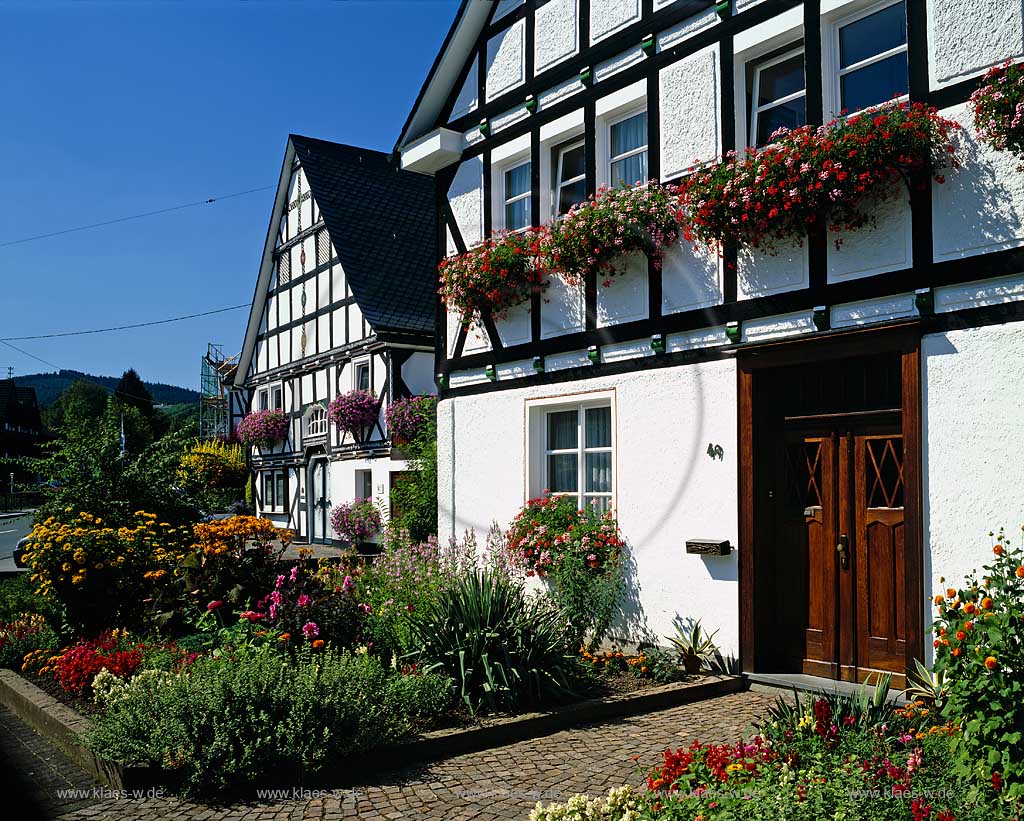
[562, 310]
[762, 274]
[625, 297]
[966, 37]
[610, 16]
[688, 28]
[418, 373]
[973, 430]
[867, 311]
[514, 327]
[690, 126]
[690, 278]
[466, 195]
[506, 60]
[556, 33]
[668, 488]
[467, 100]
[876, 248]
[342, 483]
[980, 207]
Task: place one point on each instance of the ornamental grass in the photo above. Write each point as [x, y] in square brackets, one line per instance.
[812, 175]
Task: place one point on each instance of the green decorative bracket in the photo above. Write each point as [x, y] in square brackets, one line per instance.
[485, 128]
[734, 331]
[491, 373]
[594, 354]
[658, 343]
[530, 104]
[821, 318]
[723, 9]
[586, 75]
[647, 44]
[538, 364]
[442, 381]
[924, 299]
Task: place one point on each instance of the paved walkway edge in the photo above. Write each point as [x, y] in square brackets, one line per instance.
[63, 728]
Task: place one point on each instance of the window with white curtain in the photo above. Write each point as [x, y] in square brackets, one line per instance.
[516, 193]
[578, 454]
[872, 56]
[628, 150]
[778, 97]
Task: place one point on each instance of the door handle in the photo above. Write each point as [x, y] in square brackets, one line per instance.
[843, 549]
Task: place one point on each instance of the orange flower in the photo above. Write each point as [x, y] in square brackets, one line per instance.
[950, 593]
[284, 637]
[956, 652]
[935, 643]
[939, 599]
[318, 644]
[998, 550]
[1020, 572]
[960, 635]
[968, 625]
[991, 663]
[986, 603]
[970, 607]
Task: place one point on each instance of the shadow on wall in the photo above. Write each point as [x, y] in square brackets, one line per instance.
[631, 622]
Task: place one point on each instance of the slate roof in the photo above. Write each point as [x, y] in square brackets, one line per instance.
[18, 406]
[383, 224]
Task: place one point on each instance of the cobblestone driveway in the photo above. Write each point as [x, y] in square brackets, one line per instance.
[501, 783]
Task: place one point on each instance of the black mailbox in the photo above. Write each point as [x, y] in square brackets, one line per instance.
[709, 547]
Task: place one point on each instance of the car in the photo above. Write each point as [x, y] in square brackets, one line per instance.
[19, 551]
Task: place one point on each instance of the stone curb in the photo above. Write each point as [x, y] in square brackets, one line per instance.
[64, 727]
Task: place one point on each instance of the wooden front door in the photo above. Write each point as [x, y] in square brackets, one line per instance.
[319, 503]
[844, 517]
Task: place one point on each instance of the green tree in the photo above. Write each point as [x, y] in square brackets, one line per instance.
[81, 402]
[414, 497]
[132, 392]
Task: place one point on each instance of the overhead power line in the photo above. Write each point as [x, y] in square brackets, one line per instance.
[8, 339]
[207, 201]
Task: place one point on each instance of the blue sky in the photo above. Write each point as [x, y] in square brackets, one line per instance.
[112, 109]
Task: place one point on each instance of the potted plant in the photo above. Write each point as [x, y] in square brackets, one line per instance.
[263, 428]
[354, 412]
[695, 648]
[406, 417]
[356, 521]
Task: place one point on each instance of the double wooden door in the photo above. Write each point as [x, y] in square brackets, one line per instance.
[843, 518]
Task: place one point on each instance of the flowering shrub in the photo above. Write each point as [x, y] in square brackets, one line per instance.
[580, 550]
[102, 574]
[25, 633]
[263, 428]
[497, 275]
[75, 667]
[213, 464]
[621, 803]
[980, 647]
[354, 412]
[301, 608]
[355, 521]
[614, 222]
[773, 194]
[406, 418]
[998, 105]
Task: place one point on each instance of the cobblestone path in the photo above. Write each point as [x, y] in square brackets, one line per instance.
[500, 783]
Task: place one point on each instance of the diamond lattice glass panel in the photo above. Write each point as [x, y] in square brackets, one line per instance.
[323, 247]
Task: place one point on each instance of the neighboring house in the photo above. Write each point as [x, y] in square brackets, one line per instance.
[345, 300]
[864, 396]
[21, 429]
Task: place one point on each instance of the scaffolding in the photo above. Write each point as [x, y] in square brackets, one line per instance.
[214, 393]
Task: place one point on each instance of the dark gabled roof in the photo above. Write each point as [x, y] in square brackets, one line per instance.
[383, 225]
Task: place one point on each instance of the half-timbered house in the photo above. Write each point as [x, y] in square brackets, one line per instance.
[838, 421]
[344, 301]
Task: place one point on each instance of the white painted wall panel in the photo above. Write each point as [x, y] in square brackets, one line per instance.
[973, 447]
[867, 311]
[610, 16]
[668, 489]
[467, 100]
[966, 37]
[514, 328]
[980, 208]
[418, 373]
[466, 195]
[506, 60]
[690, 278]
[762, 274]
[874, 249]
[777, 327]
[561, 310]
[556, 34]
[690, 127]
[686, 29]
[626, 297]
[980, 293]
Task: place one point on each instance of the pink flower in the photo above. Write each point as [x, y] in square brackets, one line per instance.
[303, 600]
[295, 572]
[252, 615]
[310, 629]
[214, 605]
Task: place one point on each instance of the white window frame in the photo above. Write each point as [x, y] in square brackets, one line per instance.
[277, 391]
[756, 109]
[556, 189]
[537, 412]
[645, 149]
[835, 104]
[356, 365]
[360, 477]
[504, 200]
[273, 504]
[263, 399]
[317, 416]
